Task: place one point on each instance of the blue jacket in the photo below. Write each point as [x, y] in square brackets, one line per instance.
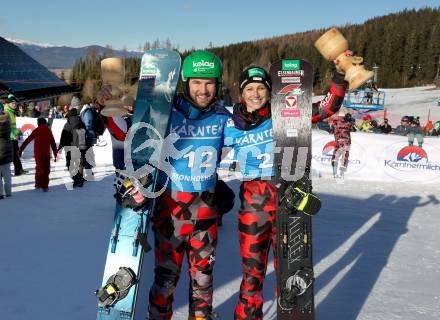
[195, 155]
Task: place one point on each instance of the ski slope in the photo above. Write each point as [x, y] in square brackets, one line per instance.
[376, 249]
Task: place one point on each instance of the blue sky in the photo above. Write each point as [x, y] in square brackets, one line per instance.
[188, 23]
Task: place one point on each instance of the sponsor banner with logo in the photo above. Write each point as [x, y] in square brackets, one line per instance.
[379, 157]
[373, 157]
[102, 150]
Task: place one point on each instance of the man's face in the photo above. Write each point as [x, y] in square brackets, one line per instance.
[13, 105]
[202, 91]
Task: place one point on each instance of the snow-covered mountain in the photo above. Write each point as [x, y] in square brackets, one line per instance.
[61, 57]
[30, 43]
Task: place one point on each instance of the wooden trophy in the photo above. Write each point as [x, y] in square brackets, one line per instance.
[332, 46]
[112, 73]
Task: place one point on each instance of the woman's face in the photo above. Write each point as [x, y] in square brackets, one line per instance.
[255, 96]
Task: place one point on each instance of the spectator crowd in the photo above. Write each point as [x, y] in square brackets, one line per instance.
[409, 126]
[81, 130]
[84, 125]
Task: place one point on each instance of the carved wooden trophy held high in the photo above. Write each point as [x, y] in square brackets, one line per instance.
[112, 73]
[332, 46]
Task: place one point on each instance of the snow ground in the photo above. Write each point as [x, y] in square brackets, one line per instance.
[376, 252]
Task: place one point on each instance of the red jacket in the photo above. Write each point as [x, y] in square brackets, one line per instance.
[43, 141]
[332, 102]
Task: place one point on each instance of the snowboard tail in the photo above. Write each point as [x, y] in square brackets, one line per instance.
[291, 117]
[119, 295]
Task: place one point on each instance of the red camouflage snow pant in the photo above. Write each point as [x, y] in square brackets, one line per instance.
[184, 223]
[256, 225]
[341, 150]
[42, 171]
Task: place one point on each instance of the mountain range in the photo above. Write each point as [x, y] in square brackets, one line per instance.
[62, 57]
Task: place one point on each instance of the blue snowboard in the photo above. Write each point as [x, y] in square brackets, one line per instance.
[159, 74]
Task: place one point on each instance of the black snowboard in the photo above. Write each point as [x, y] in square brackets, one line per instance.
[291, 117]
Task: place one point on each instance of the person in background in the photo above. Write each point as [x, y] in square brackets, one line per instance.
[5, 155]
[52, 114]
[44, 141]
[436, 129]
[375, 127]
[74, 135]
[385, 127]
[9, 109]
[365, 126]
[65, 111]
[34, 111]
[86, 114]
[59, 112]
[415, 131]
[428, 128]
[21, 112]
[118, 128]
[342, 128]
[403, 127]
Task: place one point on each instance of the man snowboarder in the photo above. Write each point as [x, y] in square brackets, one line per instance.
[185, 217]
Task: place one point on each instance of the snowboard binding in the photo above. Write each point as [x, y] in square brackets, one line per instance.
[128, 194]
[295, 286]
[299, 197]
[117, 287]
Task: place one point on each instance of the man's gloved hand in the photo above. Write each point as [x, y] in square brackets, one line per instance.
[128, 194]
[298, 196]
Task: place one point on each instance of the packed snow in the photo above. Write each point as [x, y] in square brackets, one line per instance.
[376, 248]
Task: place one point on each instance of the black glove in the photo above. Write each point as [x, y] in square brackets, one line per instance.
[298, 196]
[224, 197]
[128, 194]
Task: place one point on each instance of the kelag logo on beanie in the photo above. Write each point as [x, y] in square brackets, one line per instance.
[256, 72]
[290, 65]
